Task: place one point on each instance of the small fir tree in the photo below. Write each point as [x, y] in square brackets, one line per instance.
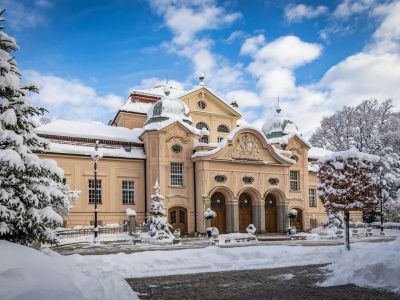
[334, 220]
[347, 183]
[32, 194]
[157, 221]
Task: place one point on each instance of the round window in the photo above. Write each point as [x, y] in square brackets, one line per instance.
[220, 178]
[273, 181]
[201, 104]
[176, 148]
[248, 180]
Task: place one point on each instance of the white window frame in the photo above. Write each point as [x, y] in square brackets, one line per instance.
[91, 191]
[312, 197]
[128, 192]
[294, 182]
[177, 174]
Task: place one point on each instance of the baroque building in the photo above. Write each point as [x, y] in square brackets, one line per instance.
[203, 154]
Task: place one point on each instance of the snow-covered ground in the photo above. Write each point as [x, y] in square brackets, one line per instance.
[29, 274]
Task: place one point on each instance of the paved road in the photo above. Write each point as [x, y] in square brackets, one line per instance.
[294, 283]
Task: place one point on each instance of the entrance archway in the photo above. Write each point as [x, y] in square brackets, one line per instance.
[245, 211]
[298, 221]
[219, 206]
[178, 218]
[271, 214]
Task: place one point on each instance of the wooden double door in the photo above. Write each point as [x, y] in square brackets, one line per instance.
[178, 218]
[245, 212]
[271, 214]
[218, 204]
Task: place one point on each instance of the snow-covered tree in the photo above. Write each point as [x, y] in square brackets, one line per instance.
[334, 220]
[388, 184]
[368, 126]
[32, 194]
[347, 183]
[157, 220]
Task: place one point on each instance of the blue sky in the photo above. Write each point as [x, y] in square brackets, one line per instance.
[315, 55]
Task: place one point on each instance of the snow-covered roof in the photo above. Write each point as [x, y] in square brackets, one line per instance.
[136, 106]
[90, 130]
[134, 152]
[158, 91]
[279, 125]
[316, 153]
[313, 167]
[285, 139]
[231, 135]
[160, 125]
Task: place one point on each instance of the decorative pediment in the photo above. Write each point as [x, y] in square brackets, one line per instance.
[246, 147]
[175, 133]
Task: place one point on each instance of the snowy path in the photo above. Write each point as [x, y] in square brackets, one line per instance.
[290, 283]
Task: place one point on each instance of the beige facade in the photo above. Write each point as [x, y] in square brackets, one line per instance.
[244, 176]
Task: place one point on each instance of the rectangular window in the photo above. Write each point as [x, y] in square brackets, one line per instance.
[220, 138]
[313, 223]
[176, 174]
[294, 180]
[128, 192]
[91, 191]
[312, 197]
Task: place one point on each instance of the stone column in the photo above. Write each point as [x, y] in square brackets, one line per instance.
[132, 224]
[232, 217]
[283, 220]
[259, 217]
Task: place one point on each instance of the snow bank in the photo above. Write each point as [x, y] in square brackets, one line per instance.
[28, 274]
[377, 266]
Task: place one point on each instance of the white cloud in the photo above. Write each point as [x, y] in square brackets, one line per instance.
[187, 20]
[244, 98]
[151, 82]
[350, 7]
[71, 99]
[296, 13]
[273, 63]
[235, 35]
[21, 16]
[252, 44]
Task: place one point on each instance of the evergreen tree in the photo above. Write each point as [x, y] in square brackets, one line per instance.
[157, 221]
[347, 183]
[32, 195]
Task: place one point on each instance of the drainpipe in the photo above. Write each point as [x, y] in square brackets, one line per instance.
[195, 197]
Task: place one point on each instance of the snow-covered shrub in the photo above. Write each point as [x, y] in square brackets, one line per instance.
[292, 213]
[210, 214]
[157, 220]
[251, 229]
[32, 194]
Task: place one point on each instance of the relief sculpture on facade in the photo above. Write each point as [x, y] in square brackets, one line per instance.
[246, 148]
[174, 133]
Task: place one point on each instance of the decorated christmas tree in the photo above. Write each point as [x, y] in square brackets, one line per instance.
[32, 193]
[157, 220]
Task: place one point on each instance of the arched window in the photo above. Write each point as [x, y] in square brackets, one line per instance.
[201, 125]
[223, 128]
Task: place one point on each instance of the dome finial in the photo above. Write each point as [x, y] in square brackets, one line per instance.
[278, 108]
[201, 77]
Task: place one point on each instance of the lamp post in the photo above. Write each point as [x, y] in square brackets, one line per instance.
[96, 155]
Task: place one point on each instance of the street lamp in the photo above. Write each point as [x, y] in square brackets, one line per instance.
[96, 155]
